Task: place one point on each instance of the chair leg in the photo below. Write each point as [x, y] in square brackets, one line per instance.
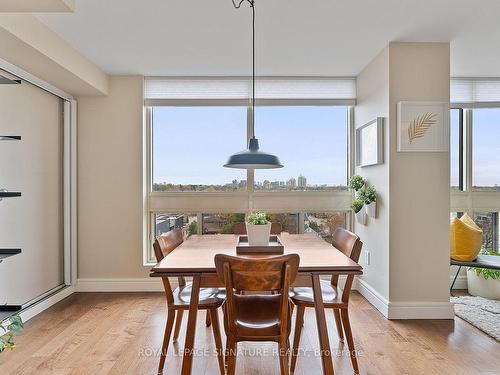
[231, 350]
[296, 336]
[178, 322]
[350, 342]
[283, 353]
[166, 339]
[207, 319]
[338, 323]
[214, 317]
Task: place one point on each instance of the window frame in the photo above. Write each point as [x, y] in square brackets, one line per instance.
[468, 200]
[202, 202]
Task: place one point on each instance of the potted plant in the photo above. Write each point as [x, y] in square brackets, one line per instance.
[357, 206]
[15, 324]
[258, 229]
[484, 282]
[368, 195]
[356, 182]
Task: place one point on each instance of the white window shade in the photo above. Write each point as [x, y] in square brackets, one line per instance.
[475, 91]
[158, 89]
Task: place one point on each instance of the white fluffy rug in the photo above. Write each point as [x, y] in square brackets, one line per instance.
[480, 312]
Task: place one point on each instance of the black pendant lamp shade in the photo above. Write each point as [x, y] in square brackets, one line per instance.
[252, 158]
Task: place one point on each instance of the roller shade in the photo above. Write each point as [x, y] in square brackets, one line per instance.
[475, 91]
[239, 89]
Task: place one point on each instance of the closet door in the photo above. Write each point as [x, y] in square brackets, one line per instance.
[34, 167]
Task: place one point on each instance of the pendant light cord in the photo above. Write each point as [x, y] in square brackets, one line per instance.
[237, 5]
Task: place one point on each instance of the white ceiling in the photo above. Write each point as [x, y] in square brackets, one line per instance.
[294, 37]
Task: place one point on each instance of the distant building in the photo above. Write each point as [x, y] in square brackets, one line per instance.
[301, 182]
[235, 184]
[282, 184]
[291, 183]
[275, 184]
[266, 184]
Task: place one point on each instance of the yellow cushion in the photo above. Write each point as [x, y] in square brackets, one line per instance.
[466, 239]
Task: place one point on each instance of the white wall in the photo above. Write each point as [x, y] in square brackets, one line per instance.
[409, 240]
[33, 222]
[373, 102]
[110, 182]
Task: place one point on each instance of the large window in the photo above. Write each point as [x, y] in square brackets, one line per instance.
[192, 128]
[475, 169]
[311, 142]
[486, 149]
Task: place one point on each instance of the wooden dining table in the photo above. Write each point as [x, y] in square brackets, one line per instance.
[195, 258]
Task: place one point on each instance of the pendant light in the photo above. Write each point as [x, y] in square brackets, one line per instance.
[252, 158]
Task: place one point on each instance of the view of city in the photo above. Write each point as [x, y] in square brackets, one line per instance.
[292, 184]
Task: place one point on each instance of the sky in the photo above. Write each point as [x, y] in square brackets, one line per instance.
[190, 144]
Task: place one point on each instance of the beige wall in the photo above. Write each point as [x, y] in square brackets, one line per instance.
[373, 102]
[409, 240]
[110, 186]
[419, 182]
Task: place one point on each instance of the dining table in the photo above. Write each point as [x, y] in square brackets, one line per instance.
[195, 258]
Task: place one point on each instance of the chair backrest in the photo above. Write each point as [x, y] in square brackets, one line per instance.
[276, 228]
[350, 244]
[257, 275]
[240, 228]
[164, 245]
[167, 242]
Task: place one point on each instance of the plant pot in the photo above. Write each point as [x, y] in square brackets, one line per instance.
[371, 209]
[479, 286]
[361, 217]
[258, 235]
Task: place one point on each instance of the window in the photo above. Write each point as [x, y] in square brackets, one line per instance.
[310, 141]
[324, 224]
[190, 145]
[485, 148]
[488, 221]
[457, 149]
[194, 125]
[221, 223]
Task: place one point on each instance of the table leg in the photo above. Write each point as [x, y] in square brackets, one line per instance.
[324, 343]
[187, 360]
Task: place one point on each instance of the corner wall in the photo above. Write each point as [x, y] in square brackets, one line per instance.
[110, 184]
[409, 240]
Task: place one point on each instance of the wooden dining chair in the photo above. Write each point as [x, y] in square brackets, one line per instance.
[257, 317]
[178, 300]
[350, 245]
[276, 228]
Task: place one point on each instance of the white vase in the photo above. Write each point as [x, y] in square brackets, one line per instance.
[478, 286]
[361, 217]
[371, 209]
[258, 235]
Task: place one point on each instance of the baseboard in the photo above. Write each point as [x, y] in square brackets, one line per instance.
[374, 297]
[35, 309]
[420, 310]
[460, 283]
[120, 285]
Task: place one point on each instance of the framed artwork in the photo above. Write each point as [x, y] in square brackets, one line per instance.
[370, 143]
[423, 126]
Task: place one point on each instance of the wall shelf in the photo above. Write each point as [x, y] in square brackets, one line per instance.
[9, 194]
[10, 137]
[6, 253]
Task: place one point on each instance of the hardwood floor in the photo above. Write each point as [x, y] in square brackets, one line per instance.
[121, 333]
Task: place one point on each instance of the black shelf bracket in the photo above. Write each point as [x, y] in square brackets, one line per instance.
[10, 137]
[9, 194]
[6, 253]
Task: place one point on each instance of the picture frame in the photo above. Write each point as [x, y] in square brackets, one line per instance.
[370, 143]
[423, 126]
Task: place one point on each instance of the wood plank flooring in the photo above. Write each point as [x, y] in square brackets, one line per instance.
[121, 333]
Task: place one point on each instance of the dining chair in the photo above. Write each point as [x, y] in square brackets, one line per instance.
[210, 299]
[240, 228]
[257, 316]
[350, 244]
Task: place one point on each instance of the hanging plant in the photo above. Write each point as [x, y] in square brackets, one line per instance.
[7, 340]
[356, 182]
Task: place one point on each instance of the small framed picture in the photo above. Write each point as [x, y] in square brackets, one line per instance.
[370, 143]
[423, 126]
